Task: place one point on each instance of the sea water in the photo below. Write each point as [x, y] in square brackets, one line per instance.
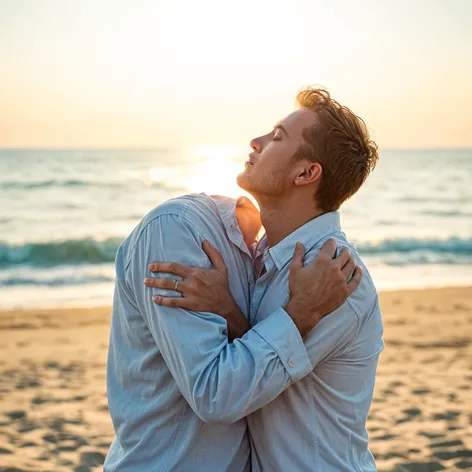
[64, 213]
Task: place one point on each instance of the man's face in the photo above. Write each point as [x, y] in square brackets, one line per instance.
[270, 170]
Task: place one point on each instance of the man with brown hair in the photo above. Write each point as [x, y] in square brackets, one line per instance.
[300, 173]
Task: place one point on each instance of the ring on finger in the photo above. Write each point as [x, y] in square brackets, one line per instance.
[176, 285]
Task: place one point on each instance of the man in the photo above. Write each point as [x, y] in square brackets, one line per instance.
[300, 173]
[178, 391]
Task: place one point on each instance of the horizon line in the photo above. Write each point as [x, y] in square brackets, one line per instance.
[166, 148]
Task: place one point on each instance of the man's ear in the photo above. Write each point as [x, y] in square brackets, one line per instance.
[309, 173]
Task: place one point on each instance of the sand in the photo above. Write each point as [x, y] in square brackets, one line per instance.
[53, 407]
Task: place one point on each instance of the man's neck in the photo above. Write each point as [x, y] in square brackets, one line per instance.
[284, 217]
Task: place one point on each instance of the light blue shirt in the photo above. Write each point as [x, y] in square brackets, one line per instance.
[178, 392]
[318, 424]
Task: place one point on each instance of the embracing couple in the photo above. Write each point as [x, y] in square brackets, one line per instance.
[232, 353]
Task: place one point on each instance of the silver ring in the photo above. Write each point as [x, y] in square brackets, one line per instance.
[176, 285]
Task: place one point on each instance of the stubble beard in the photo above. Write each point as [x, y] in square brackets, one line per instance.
[262, 185]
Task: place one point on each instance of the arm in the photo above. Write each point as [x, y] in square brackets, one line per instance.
[315, 290]
[222, 382]
[210, 285]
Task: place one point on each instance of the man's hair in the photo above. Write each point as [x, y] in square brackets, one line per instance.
[340, 142]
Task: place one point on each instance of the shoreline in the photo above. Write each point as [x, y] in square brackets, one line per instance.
[73, 306]
[53, 404]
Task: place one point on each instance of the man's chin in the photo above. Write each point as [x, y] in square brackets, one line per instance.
[242, 181]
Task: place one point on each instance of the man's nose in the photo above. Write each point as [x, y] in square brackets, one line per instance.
[256, 145]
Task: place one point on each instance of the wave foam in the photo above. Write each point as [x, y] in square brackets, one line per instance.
[86, 251]
[453, 250]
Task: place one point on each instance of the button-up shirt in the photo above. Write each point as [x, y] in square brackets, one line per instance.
[178, 392]
[318, 424]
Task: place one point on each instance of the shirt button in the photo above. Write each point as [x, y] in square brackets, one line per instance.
[291, 362]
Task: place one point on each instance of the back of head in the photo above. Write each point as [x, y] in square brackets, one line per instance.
[340, 143]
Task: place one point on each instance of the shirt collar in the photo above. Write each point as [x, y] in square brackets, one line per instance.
[227, 210]
[309, 234]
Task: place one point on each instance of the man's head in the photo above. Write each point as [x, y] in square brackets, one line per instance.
[321, 151]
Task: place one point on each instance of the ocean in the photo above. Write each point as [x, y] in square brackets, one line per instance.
[64, 213]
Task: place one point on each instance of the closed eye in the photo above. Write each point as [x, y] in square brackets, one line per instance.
[282, 128]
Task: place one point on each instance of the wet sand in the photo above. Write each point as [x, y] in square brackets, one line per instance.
[53, 406]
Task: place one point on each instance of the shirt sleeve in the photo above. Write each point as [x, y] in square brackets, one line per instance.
[222, 382]
[332, 334]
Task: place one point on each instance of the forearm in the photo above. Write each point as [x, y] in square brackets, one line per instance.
[297, 312]
[224, 382]
[238, 326]
[252, 371]
[237, 323]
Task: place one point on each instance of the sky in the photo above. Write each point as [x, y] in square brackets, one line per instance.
[183, 74]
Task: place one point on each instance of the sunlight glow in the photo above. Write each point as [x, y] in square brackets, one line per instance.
[214, 169]
[215, 152]
[209, 169]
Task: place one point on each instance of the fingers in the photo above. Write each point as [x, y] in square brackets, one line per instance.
[348, 269]
[343, 258]
[172, 302]
[215, 257]
[170, 268]
[355, 281]
[298, 257]
[329, 249]
[168, 284]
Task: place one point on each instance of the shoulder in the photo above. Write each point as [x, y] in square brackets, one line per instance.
[179, 219]
[189, 207]
[185, 210]
[365, 298]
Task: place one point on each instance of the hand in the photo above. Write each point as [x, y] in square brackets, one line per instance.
[204, 290]
[320, 287]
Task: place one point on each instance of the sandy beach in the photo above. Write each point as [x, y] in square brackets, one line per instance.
[53, 408]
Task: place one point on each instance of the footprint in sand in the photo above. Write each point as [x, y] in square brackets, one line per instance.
[420, 467]
[16, 414]
[92, 458]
